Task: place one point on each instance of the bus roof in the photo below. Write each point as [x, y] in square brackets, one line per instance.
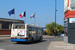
[34, 26]
[29, 25]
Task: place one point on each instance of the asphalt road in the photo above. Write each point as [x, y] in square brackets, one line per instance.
[43, 45]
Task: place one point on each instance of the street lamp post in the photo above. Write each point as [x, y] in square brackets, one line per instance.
[48, 18]
[55, 17]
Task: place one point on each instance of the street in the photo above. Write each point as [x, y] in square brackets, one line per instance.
[43, 45]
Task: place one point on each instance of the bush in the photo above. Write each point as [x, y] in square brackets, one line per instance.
[49, 32]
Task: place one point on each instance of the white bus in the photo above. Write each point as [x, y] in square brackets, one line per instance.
[26, 33]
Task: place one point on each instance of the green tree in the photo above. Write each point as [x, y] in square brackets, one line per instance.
[51, 27]
[49, 32]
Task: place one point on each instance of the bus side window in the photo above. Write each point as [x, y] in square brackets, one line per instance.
[41, 31]
[30, 30]
[36, 30]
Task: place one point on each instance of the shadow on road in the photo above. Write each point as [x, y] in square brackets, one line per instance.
[27, 43]
[2, 41]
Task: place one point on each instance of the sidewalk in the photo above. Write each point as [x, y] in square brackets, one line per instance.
[47, 36]
[61, 45]
[2, 37]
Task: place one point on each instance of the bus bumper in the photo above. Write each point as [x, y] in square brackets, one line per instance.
[20, 40]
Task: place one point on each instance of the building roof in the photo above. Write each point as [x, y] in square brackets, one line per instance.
[10, 20]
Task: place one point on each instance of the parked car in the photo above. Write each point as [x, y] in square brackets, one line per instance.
[62, 35]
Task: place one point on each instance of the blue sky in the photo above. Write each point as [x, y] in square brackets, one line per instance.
[44, 10]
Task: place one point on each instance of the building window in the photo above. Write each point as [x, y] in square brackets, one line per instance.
[72, 1]
[73, 8]
[5, 25]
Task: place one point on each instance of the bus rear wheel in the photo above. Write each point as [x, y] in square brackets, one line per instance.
[40, 39]
[18, 42]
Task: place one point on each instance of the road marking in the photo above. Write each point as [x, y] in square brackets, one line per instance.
[50, 46]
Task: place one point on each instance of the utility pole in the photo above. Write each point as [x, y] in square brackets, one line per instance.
[55, 16]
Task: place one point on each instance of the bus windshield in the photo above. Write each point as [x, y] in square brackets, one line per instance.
[18, 26]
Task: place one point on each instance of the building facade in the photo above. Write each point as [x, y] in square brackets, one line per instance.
[69, 21]
[5, 25]
[69, 8]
